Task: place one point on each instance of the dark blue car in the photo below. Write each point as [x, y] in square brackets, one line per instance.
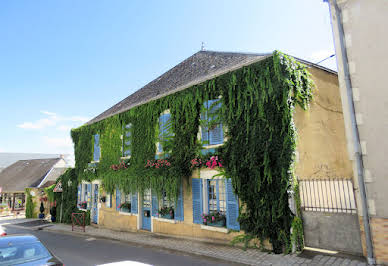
[25, 250]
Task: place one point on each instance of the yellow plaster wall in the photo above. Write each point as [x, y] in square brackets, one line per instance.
[322, 142]
[187, 227]
[110, 218]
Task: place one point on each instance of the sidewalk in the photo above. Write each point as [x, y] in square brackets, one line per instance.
[224, 252]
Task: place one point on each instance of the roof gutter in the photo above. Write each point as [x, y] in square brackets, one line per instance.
[355, 133]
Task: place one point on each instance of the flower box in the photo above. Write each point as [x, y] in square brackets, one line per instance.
[166, 213]
[220, 223]
[215, 218]
[125, 209]
[168, 216]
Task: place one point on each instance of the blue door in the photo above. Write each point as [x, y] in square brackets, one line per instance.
[95, 204]
[146, 211]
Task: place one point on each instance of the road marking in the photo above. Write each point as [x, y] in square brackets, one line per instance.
[90, 239]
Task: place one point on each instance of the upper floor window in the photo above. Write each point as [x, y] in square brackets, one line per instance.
[211, 129]
[96, 148]
[127, 138]
[165, 132]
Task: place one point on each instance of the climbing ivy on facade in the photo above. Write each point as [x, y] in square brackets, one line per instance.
[256, 111]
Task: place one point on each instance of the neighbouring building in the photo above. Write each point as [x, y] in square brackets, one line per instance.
[35, 174]
[114, 151]
[359, 30]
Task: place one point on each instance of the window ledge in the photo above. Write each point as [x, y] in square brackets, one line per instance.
[84, 210]
[213, 228]
[125, 157]
[212, 146]
[171, 221]
[128, 213]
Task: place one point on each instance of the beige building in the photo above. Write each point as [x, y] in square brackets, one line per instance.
[322, 156]
[360, 34]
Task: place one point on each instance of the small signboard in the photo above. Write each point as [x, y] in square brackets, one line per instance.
[58, 187]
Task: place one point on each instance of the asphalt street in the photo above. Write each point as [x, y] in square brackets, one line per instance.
[84, 250]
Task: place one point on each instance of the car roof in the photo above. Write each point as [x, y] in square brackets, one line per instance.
[17, 240]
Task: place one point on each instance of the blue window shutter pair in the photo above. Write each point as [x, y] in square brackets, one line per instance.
[231, 206]
[134, 203]
[118, 199]
[127, 140]
[89, 186]
[155, 205]
[197, 200]
[79, 194]
[179, 206]
[96, 150]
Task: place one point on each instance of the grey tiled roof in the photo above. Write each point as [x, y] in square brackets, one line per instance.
[201, 66]
[25, 173]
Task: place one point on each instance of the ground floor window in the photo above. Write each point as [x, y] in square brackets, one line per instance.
[214, 203]
[126, 202]
[167, 208]
[84, 197]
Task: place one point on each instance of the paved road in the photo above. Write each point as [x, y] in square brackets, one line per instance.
[81, 250]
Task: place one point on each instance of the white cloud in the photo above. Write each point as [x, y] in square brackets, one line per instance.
[39, 124]
[59, 142]
[53, 119]
[64, 128]
[48, 113]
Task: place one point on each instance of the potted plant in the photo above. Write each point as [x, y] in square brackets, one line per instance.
[41, 209]
[167, 212]
[216, 218]
[53, 212]
[83, 205]
[125, 207]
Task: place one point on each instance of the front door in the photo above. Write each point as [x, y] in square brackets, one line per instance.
[146, 211]
[95, 204]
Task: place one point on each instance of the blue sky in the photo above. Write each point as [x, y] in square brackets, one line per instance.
[64, 62]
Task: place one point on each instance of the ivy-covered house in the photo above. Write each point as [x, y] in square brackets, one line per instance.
[209, 147]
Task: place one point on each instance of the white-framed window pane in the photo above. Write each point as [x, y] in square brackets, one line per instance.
[166, 202]
[216, 195]
[108, 202]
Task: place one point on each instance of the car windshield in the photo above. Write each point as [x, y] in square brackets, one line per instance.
[22, 253]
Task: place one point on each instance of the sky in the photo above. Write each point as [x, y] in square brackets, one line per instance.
[64, 62]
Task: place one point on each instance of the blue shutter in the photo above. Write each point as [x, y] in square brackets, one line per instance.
[79, 194]
[231, 206]
[155, 205]
[216, 134]
[96, 151]
[161, 132]
[179, 206]
[197, 200]
[134, 202]
[89, 186]
[118, 199]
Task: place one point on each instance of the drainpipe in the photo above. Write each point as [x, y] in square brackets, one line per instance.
[355, 134]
